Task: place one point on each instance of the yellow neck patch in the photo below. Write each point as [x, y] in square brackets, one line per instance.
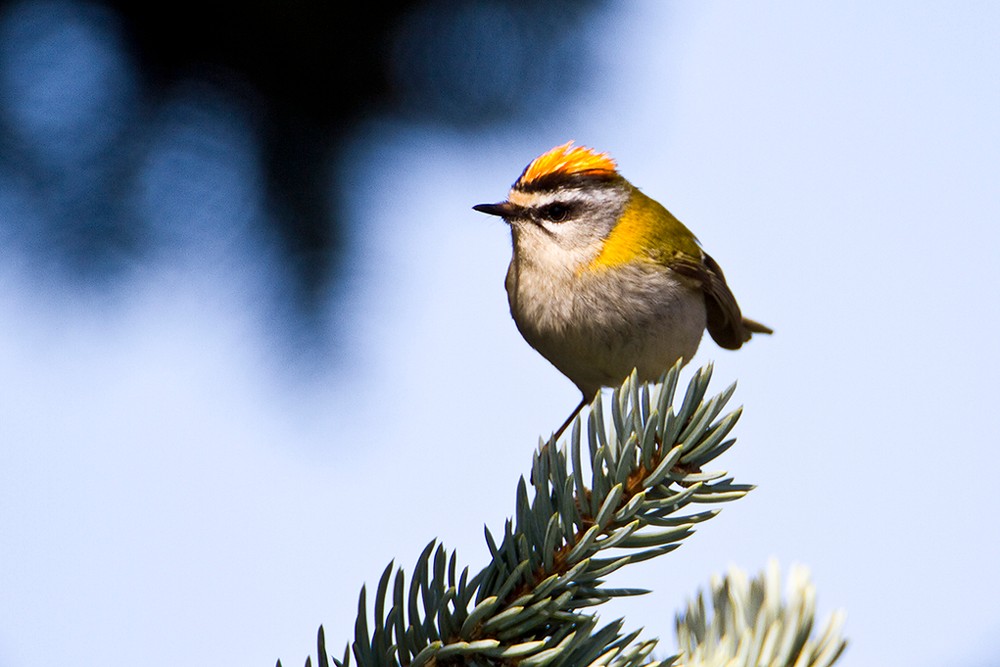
[646, 231]
[566, 160]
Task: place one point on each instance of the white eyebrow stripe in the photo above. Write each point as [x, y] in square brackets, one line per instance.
[535, 200]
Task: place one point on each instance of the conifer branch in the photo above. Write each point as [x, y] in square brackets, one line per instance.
[592, 506]
[751, 625]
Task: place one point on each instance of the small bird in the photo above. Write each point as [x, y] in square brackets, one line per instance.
[604, 279]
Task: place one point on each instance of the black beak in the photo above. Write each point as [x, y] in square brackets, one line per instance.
[504, 209]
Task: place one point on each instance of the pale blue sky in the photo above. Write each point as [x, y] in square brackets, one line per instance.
[169, 494]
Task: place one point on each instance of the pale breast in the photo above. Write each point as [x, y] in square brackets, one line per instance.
[596, 327]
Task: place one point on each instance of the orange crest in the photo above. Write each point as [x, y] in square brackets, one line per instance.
[564, 161]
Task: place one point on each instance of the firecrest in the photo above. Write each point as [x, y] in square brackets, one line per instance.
[604, 279]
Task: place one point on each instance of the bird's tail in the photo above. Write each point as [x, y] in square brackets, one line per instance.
[756, 327]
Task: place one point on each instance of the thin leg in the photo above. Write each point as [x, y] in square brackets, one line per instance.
[555, 436]
[569, 420]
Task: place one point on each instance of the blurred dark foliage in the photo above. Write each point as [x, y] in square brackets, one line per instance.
[305, 72]
[313, 69]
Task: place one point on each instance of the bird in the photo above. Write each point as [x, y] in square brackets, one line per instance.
[603, 279]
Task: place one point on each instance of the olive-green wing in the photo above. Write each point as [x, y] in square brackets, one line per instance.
[725, 322]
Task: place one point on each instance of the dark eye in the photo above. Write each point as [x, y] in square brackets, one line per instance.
[555, 212]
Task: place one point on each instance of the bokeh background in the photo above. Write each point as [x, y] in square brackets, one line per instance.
[254, 342]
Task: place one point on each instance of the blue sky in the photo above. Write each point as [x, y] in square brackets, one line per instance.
[168, 490]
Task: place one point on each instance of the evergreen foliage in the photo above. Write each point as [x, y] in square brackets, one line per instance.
[625, 492]
[751, 625]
